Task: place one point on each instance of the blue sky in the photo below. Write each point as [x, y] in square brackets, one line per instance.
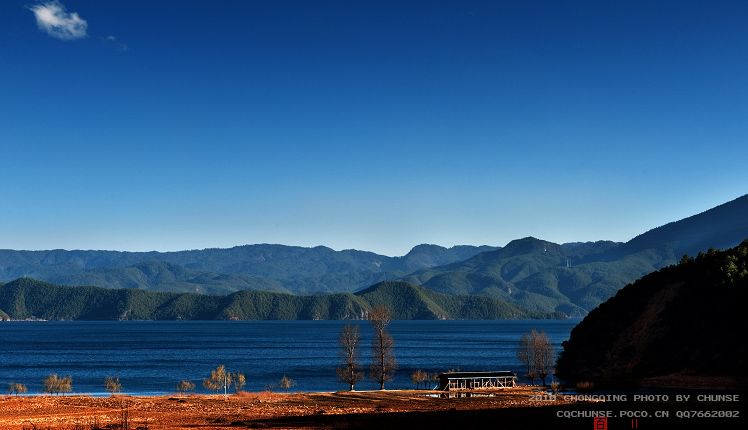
[368, 125]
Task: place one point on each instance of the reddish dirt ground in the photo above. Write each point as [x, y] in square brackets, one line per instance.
[247, 410]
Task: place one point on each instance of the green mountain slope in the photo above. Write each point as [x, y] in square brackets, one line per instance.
[537, 275]
[683, 320]
[24, 298]
[160, 276]
[414, 302]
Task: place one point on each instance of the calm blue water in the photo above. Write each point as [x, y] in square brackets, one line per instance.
[151, 357]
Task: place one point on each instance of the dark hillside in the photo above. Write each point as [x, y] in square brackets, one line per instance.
[682, 320]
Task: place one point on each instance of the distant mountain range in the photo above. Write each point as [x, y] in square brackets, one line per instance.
[278, 268]
[680, 324]
[528, 274]
[574, 278]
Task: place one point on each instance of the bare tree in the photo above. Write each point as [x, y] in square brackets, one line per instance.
[544, 357]
[419, 377]
[239, 381]
[16, 388]
[185, 385]
[286, 383]
[350, 372]
[51, 384]
[66, 385]
[54, 384]
[383, 360]
[525, 355]
[222, 379]
[112, 384]
[219, 379]
[535, 352]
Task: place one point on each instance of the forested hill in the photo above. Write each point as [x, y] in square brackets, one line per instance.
[688, 319]
[25, 298]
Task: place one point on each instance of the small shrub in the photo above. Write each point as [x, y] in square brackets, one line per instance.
[111, 383]
[286, 383]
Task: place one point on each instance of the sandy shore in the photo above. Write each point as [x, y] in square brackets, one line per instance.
[248, 410]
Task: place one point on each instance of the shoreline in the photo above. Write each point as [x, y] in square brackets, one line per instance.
[517, 407]
[245, 409]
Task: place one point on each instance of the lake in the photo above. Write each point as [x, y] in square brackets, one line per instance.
[150, 357]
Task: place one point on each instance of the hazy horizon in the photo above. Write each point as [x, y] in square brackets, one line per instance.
[358, 249]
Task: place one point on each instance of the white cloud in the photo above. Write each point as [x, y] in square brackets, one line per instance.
[52, 17]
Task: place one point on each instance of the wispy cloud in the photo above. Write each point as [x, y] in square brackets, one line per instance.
[113, 40]
[52, 17]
